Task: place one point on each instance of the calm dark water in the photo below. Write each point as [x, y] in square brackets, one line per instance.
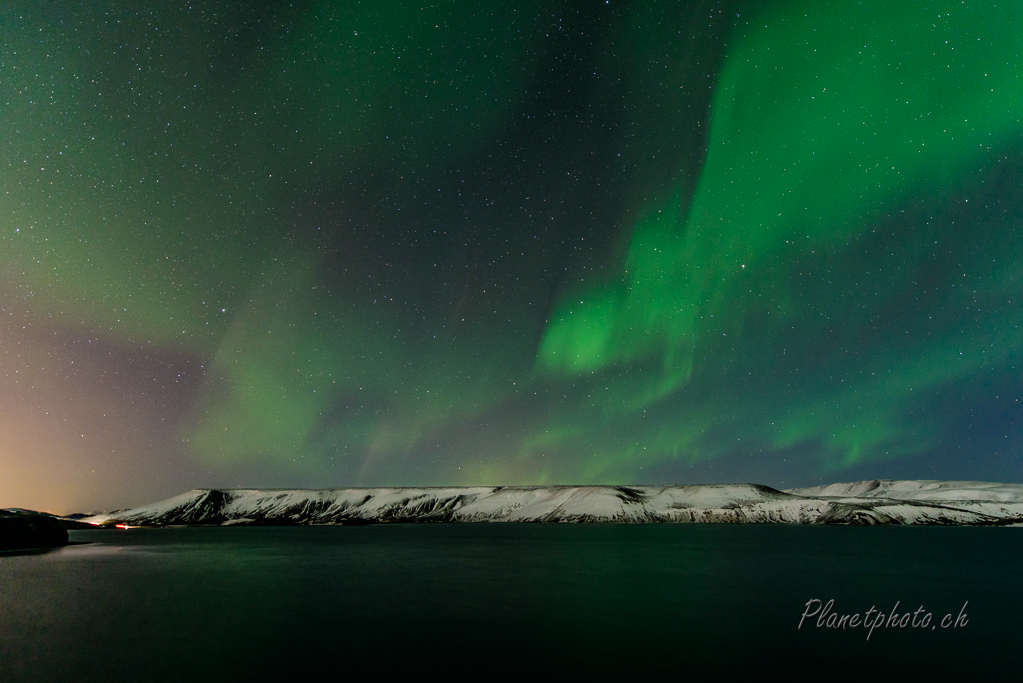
[486, 600]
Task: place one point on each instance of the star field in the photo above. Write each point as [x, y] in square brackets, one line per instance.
[321, 244]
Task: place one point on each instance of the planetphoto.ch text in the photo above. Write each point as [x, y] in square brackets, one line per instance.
[873, 618]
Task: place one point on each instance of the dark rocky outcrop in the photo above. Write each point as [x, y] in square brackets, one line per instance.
[24, 529]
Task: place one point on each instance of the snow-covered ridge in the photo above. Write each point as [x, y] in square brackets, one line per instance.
[866, 502]
[919, 490]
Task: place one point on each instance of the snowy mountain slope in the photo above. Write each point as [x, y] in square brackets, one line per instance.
[928, 490]
[872, 502]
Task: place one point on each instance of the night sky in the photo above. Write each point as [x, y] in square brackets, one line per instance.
[322, 243]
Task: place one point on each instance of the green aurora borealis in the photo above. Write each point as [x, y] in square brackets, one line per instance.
[344, 244]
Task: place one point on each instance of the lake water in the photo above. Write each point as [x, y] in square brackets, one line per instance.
[483, 601]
